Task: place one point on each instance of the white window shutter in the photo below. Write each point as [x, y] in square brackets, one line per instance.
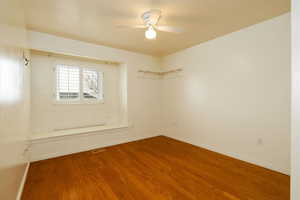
[68, 83]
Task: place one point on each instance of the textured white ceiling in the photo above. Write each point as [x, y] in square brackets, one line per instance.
[96, 20]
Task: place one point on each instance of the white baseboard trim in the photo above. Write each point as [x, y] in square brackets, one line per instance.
[73, 144]
[19, 195]
[232, 155]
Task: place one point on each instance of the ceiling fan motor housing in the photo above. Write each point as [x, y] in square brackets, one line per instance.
[151, 17]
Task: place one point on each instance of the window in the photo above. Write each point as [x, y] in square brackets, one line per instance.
[77, 84]
[91, 84]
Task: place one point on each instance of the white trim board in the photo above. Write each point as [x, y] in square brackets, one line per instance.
[232, 155]
[65, 145]
[44, 150]
[22, 184]
[76, 131]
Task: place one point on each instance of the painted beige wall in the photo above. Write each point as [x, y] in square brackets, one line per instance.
[47, 115]
[14, 99]
[295, 174]
[234, 94]
[143, 97]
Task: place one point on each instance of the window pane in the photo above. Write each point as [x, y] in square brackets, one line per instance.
[68, 82]
[92, 82]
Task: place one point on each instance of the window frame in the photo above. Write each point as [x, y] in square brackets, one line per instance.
[81, 99]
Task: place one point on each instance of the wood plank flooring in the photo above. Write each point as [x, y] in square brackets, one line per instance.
[158, 168]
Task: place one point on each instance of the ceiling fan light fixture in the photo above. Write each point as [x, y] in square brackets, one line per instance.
[150, 33]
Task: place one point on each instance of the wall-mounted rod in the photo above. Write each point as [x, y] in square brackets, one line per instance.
[161, 73]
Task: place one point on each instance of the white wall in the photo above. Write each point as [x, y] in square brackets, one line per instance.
[143, 97]
[234, 94]
[57, 115]
[295, 173]
[14, 99]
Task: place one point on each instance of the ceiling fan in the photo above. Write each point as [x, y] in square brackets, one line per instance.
[151, 19]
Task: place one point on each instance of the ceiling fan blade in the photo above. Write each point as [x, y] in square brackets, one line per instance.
[131, 26]
[169, 29]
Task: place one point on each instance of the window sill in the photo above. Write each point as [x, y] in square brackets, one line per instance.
[78, 102]
[71, 132]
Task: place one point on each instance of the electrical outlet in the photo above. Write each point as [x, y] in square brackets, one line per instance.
[260, 141]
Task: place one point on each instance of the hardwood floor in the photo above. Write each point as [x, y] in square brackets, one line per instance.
[152, 169]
